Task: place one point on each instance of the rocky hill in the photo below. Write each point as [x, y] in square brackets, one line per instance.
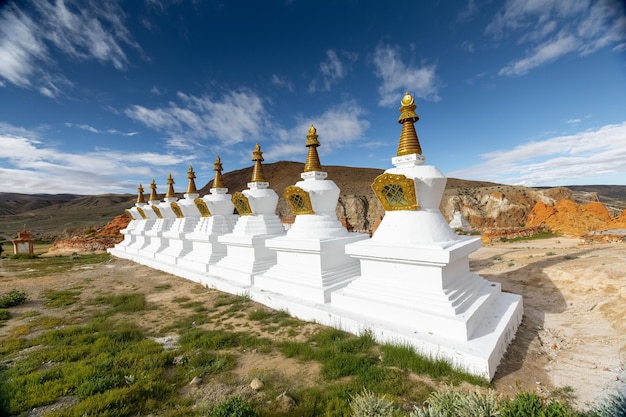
[484, 205]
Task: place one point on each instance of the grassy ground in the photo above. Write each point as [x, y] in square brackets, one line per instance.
[89, 342]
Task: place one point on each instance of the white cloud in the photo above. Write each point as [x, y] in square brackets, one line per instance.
[542, 54]
[81, 30]
[333, 70]
[337, 127]
[231, 119]
[99, 131]
[558, 160]
[28, 165]
[398, 77]
[554, 28]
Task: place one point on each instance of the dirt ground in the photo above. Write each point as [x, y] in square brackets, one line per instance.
[573, 333]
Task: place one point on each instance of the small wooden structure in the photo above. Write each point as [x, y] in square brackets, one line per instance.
[23, 244]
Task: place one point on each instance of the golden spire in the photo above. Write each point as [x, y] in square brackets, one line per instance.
[257, 171]
[409, 143]
[312, 159]
[191, 187]
[218, 182]
[153, 193]
[170, 187]
[140, 198]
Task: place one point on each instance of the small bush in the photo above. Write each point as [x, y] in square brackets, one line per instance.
[12, 298]
[368, 404]
[4, 314]
[233, 407]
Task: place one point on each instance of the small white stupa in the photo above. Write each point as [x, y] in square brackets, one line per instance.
[187, 216]
[415, 285]
[165, 218]
[311, 261]
[247, 255]
[151, 221]
[458, 221]
[216, 219]
[138, 220]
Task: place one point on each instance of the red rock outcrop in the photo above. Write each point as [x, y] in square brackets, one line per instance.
[568, 218]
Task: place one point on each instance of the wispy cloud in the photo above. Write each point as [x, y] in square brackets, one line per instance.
[42, 168]
[282, 82]
[398, 77]
[80, 30]
[332, 70]
[337, 127]
[552, 29]
[199, 121]
[557, 160]
[99, 131]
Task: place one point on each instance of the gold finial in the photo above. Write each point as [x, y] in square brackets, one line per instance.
[140, 198]
[191, 187]
[170, 187]
[409, 143]
[153, 193]
[218, 182]
[257, 171]
[312, 159]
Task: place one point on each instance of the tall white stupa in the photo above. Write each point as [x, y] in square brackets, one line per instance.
[138, 221]
[216, 219]
[311, 261]
[247, 255]
[415, 284]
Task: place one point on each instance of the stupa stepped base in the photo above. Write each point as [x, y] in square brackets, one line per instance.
[310, 269]
[247, 257]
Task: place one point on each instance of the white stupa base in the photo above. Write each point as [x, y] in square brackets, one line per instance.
[156, 243]
[310, 269]
[246, 258]
[247, 255]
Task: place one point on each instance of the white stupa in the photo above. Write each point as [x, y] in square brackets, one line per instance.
[165, 218]
[311, 262]
[458, 221]
[138, 220]
[216, 219]
[415, 285]
[153, 219]
[187, 216]
[247, 255]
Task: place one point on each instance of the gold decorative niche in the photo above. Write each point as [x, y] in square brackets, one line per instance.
[395, 192]
[299, 200]
[242, 204]
[202, 207]
[157, 211]
[129, 214]
[177, 211]
[141, 213]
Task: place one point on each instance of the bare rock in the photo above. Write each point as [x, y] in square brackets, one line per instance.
[256, 384]
[285, 402]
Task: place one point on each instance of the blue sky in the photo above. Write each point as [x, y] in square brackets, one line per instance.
[96, 97]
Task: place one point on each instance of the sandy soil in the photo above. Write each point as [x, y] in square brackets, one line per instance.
[573, 333]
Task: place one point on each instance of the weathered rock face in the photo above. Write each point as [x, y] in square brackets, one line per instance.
[570, 218]
[497, 206]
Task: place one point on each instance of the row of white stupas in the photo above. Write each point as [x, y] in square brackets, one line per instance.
[409, 283]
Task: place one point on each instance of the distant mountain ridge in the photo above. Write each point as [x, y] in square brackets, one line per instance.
[483, 204]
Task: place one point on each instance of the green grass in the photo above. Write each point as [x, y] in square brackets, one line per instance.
[61, 298]
[122, 303]
[36, 266]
